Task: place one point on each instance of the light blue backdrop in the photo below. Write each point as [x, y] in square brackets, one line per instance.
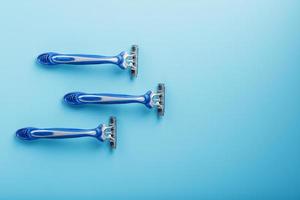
[231, 128]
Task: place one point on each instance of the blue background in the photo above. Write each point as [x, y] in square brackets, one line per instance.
[231, 128]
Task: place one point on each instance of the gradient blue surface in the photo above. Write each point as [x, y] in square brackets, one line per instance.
[231, 128]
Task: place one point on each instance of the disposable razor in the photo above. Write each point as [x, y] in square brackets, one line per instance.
[102, 132]
[124, 60]
[150, 99]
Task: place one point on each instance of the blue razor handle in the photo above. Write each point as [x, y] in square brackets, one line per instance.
[150, 99]
[124, 60]
[52, 58]
[102, 133]
[31, 133]
[79, 98]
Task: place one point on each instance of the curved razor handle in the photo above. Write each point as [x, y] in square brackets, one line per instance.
[52, 58]
[31, 133]
[79, 98]
[125, 60]
[102, 133]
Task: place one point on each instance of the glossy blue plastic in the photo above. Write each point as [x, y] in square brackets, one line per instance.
[31, 133]
[79, 98]
[52, 58]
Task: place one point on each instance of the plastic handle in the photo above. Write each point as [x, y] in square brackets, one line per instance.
[31, 133]
[79, 98]
[52, 58]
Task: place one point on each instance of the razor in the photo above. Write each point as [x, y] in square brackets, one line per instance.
[150, 99]
[125, 60]
[102, 132]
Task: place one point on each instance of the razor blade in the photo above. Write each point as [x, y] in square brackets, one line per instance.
[150, 99]
[125, 60]
[102, 133]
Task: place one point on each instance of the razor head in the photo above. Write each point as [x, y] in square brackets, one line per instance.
[161, 106]
[113, 139]
[134, 66]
